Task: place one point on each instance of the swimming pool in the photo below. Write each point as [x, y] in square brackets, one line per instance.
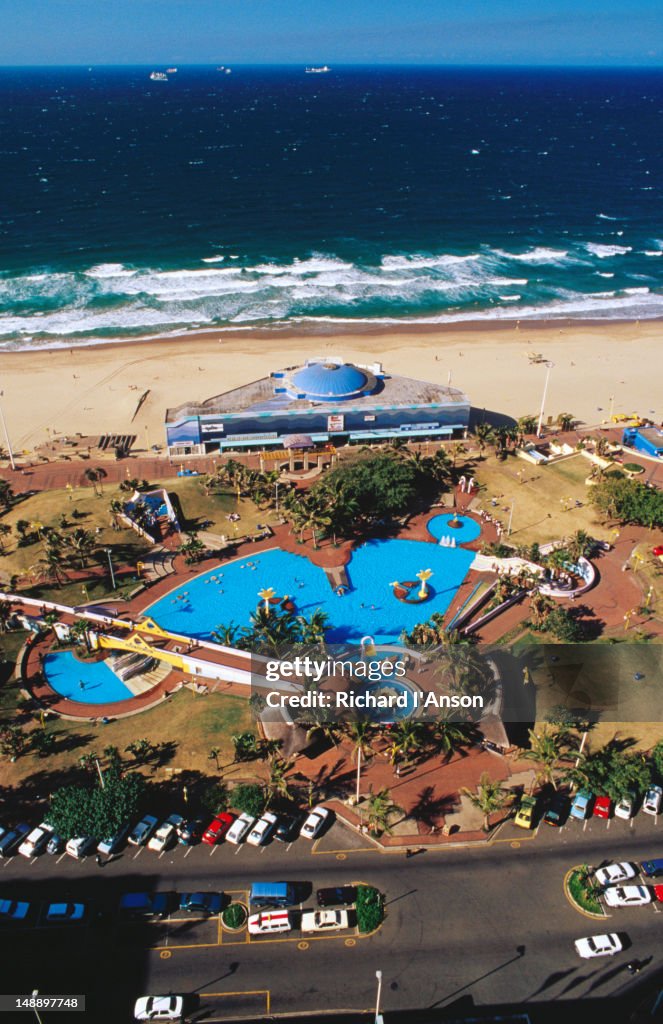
[230, 593]
[86, 682]
[468, 530]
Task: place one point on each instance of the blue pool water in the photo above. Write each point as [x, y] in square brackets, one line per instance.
[230, 593]
[100, 685]
[439, 527]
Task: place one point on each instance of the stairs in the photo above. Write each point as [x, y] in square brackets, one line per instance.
[157, 564]
[148, 680]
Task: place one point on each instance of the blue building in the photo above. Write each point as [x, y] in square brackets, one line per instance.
[323, 400]
[648, 440]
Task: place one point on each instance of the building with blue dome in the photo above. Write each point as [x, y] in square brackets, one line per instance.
[326, 399]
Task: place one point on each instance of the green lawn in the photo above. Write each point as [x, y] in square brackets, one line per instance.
[197, 507]
[193, 725]
[539, 498]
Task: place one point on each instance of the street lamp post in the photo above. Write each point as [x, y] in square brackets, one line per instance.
[110, 566]
[549, 367]
[378, 1018]
[276, 485]
[6, 433]
[508, 532]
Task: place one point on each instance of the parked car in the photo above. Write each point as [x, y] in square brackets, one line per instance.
[166, 834]
[218, 828]
[581, 805]
[324, 920]
[612, 874]
[202, 902]
[558, 810]
[652, 868]
[652, 801]
[239, 828]
[627, 896]
[269, 921]
[114, 842]
[658, 893]
[35, 841]
[191, 831]
[13, 911]
[81, 846]
[159, 1008]
[262, 829]
[526, 811]
[13, 839]
[63, 913]
[55, 844]
[287, 828]
[599, 945]
[146, 904]
[315, 822]
[625, 808]
[602, 807]
[337, 896]
[143, 830]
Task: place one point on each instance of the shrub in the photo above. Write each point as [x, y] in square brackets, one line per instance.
[214, 798]
[234, 915]
[583, 891]
[370, 908]
[249, 797]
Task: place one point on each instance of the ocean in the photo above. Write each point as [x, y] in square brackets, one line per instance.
[269, 197]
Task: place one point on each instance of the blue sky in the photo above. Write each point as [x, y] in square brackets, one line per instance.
[594, 32]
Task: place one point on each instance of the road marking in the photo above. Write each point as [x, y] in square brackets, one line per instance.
[288, 847]
[341, 856]
[61, 857]
[137, 853]
[188, 852]
[162, 854]
[302, 945]
[237, 850]
[350, 942]
[165, 954]
[248, 992]
[213, 851]
[607, 828]
[514, 844]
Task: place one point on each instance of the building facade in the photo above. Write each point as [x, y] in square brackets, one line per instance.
[321, 401]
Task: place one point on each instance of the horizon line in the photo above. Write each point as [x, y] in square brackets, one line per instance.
[354, 64]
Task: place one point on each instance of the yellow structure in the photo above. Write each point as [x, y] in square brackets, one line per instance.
[424, 575]
[267, 594]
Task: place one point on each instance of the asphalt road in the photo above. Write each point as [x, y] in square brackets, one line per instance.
[491, 923]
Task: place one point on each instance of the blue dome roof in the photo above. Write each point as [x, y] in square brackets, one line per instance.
[329, 380]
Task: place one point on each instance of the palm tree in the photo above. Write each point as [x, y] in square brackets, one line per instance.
[545, 750]
[407, 737]
[313, 628]
[226, 635]
[483, 433]
[488, 797]
[565, 420]
[380, 810]
[360, 732]
[451, 735]
[52, 560]
[579, 545]
[141, 749]
[82, 542]
[278, 785]
[540, 608]
[5, 530]
[527, 424]
[95, 476]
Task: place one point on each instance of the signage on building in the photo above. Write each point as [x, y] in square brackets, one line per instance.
[335, 423]
[211, 428]
[252, 437]
[419, 426]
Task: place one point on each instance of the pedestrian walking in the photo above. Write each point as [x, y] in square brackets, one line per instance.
[409, 853]
[99, 861]
[634, 967]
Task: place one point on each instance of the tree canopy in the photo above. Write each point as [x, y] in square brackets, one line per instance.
[97, 811]
[628, 501]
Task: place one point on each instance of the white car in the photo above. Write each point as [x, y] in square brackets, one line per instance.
[35, 842]
[625, 807]
[166, 834]
[262, 829]
[598, 945]
[627, 896]
[239, 828]
[315, 822]
[269, 921]
[81, 846]
[159, 1008]
[324, 920]
[615, 873]
[652, 801]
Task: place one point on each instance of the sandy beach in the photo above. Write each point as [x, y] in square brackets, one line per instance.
[97, 389]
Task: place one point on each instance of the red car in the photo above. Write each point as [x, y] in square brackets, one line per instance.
[658, 551]
[217, 829]
[603, 807]
[658, 892]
